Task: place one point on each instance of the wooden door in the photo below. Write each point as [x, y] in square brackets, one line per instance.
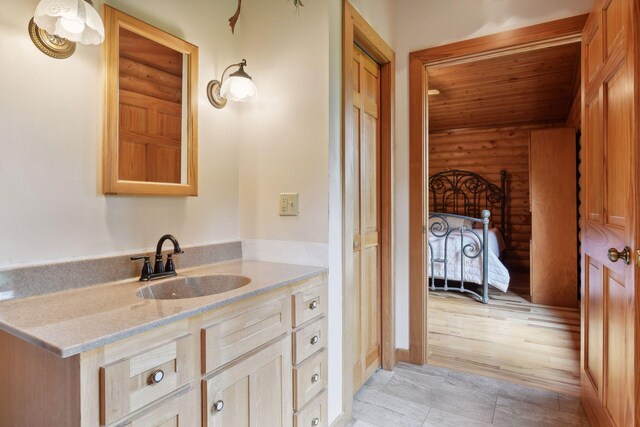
[610, 114]
[255, 392]
[366, 218]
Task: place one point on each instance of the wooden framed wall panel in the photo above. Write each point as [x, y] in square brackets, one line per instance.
[357, 30]
[507, 42]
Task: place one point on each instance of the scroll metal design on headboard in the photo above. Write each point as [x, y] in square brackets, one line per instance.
[467, 193]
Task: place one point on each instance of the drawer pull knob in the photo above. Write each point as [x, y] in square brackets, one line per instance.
[218, 406]
[313, 305]
[315, 422]
[314, 340]
[315, 378]
[157, 376]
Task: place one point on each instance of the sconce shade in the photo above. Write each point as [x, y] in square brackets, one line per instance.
[239, 88]
[74, 20]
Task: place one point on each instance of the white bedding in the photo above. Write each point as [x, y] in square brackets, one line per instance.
[498, 273]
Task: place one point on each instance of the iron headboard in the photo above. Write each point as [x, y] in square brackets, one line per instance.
[467, 193]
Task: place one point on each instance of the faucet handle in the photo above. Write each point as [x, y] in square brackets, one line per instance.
[146, 272]
[170, 266]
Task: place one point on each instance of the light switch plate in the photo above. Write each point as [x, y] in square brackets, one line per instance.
[288, 204]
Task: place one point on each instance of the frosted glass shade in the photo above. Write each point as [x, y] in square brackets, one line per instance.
[74, 20]
[238, 88]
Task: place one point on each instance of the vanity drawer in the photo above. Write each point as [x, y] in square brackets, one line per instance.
[314, 414]
[309, 379]
[134, 382]
[309, 339]
[310, 302]
[243, 329]
[174, 412]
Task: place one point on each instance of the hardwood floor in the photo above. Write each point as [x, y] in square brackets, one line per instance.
[509, 338]
[430, 396]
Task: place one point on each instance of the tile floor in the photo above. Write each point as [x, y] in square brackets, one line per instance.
[430, 396]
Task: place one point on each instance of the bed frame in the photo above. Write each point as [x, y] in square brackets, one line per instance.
[464, 195]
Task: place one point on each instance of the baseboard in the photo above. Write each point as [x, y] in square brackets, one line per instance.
[402, 355]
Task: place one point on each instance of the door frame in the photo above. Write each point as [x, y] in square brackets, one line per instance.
[357, 30]
[519, 40]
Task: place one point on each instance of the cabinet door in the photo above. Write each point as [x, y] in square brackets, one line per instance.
[253, 392]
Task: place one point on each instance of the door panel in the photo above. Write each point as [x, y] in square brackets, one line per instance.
[594, 324]
[366, 218]
[608, 289]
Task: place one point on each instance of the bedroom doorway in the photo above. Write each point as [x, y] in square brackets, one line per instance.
[502, 104]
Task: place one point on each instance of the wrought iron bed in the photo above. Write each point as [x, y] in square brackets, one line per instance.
[456, 196]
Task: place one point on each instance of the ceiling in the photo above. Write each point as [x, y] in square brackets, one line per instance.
[530, 87]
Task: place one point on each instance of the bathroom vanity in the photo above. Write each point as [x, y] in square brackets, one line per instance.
[112, 355]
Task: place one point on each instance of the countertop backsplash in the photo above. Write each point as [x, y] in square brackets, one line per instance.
[21, 282]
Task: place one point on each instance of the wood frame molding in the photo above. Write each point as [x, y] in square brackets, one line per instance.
[111, 183]
[357, 30]
[528, 38]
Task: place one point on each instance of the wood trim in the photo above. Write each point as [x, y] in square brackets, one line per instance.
[111, 184]
[417, 252]
[531, 37]
[547, 32]
[357, 30]
[402, 355]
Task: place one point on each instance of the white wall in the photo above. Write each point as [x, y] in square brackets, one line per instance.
[51, 122]
[421, 24]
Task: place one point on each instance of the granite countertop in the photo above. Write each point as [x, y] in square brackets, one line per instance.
[74, 321]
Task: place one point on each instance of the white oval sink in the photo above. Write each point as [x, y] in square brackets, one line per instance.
[193, 286]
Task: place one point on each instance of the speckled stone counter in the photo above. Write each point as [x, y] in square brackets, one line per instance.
[77, 320]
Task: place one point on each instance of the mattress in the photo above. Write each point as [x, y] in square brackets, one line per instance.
[456, 261]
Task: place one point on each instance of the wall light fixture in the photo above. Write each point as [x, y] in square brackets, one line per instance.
[57, 25]
[237, 87]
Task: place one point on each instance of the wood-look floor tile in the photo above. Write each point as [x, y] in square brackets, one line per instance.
[570, 404]
[440, 418]
[358, 423]
[513, 391]
[415, 410]
[511, 413]
[379, 379]
[438, 394]
[381, 417]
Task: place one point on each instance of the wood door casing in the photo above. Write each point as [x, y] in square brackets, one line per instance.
[610, 139]
[366, 218]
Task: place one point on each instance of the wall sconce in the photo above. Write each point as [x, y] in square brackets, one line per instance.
[58, 25]
[237, 87]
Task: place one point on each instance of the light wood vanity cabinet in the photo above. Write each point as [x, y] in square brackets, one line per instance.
[258, 362]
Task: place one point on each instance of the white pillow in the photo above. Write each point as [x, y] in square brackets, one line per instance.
[453, 222]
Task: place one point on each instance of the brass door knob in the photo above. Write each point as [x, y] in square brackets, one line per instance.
[624, 255]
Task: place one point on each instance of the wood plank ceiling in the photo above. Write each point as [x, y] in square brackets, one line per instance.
[524, 88]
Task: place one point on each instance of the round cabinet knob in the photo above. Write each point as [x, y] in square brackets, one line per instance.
[157, 376]
[313, 305]
[315, 422]
[314, 340]
[218, 406]
[315, 378]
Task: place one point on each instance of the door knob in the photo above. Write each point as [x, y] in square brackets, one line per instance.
[624, 255]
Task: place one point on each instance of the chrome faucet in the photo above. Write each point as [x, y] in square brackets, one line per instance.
[160, 270]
